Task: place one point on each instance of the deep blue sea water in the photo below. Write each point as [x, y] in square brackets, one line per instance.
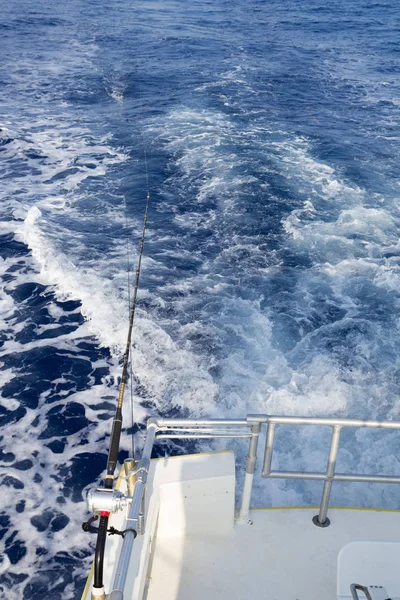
[271, 275]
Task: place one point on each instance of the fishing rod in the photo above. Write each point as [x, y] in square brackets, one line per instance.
[102, 530]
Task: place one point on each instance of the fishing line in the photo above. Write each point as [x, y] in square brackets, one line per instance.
[146, 171]
[127, 360]
[129, 308]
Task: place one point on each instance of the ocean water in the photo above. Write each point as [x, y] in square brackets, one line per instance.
[271, 275]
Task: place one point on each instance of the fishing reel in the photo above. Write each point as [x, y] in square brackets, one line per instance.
[101, 500]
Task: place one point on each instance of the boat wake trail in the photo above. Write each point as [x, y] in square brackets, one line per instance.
[270, 277]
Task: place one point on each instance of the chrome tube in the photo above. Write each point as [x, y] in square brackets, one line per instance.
[140, 525]
[296, 475]
[171, 423]
[331, 422]
[269, 447]
[250, 470]
[366, 478]
[197, 430]
[330, 472]
[200, 436]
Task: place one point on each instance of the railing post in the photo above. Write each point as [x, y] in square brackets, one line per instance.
[269, 447]
[249, 476]
[321, 520]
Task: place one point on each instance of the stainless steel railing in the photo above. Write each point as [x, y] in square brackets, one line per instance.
[330, 474]
[250, 428]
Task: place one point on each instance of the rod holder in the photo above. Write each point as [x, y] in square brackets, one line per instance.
[130, 474]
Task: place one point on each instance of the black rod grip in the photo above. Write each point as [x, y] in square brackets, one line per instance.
[99, 555]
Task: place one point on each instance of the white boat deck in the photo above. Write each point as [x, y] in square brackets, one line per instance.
[282, 556]
[192, 549]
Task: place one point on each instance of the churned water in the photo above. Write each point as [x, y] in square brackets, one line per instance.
[271, 275]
